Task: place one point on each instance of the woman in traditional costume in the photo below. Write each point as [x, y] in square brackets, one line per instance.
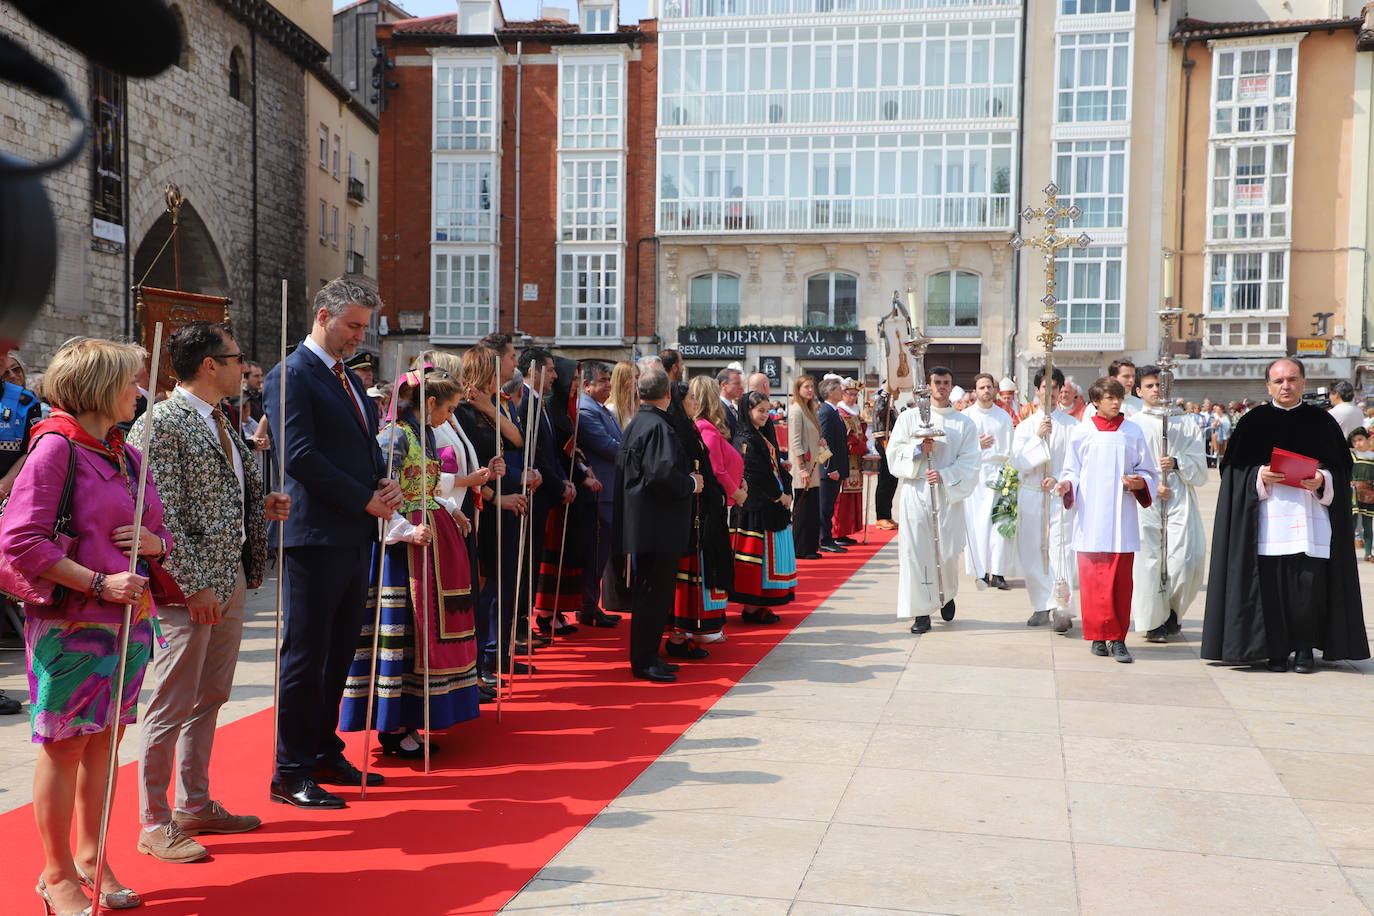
[849, 507]
[439, 608]
[765, 564]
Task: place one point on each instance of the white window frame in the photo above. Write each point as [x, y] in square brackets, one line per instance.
[715, 319]
[469, 76]
[1266, 109]
[588, 116]
[1115, 43]
[470, 222]
[1078, 304]
[953, 328]
[598, 19]
[1224, 194]
[587, 211]
[323, 136]
[1080, 156]
[338, 147]
[602, 328]
[1075, 7]
[474, 318]
[334, 228]
[1268, 285]
[1234, 336]
[324, 225]
[352, 165]
[830, 321]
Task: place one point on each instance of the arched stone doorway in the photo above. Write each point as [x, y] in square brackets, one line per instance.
[201, 267]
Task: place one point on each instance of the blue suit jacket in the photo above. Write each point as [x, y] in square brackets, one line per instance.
[332, 462]
[836, 439]
[598, 435]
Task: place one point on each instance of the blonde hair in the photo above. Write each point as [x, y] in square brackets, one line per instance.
[624, 399]
[707, 393]
[87, 375]
[479, 368]
[447, 360]
[808, 407]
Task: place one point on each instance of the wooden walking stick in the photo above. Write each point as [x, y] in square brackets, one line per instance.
[425, 550]
[529, 590]
[117, 685]
[496, 490]
[281, 530]
[520, 539]
[377, 613]
[567, 510]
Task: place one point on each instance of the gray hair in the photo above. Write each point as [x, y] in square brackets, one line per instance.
[591, 369]
[1344, 390]
[341, 294]
[648, 362]
[828, 385]
[653, 383]
[723, 376]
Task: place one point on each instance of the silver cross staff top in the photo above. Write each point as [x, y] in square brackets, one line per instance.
[1050, 243]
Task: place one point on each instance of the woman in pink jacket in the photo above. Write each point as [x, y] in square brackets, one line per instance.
[72, 646]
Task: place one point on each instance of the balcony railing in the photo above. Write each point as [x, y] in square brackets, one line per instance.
[981, 211]
[357, 191]
[844, 106]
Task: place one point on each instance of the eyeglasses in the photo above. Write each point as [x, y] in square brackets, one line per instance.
[227, 356]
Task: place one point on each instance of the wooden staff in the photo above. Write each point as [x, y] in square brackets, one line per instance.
[117, 685]
[529, 589]
[425, 548]
[496, 490]
[377, 613]
[281, 530]
[567, 510]
[520, 539]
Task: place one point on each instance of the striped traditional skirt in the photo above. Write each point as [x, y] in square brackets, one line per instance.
[559, 585]
[696, 608]
[765, 567]
[447, 603]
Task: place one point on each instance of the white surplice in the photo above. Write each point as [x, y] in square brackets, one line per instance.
[1035, 459]
[1130, 406]
[988, 551]
[956, 458]
[1150, 602]
[1105, 517]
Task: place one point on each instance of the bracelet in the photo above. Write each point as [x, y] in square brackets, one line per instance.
[90, 588]
[98, 586]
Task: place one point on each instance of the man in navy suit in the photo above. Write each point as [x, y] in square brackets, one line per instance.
[731, 382]
[335, 477]
[598, 436]
[837, 468]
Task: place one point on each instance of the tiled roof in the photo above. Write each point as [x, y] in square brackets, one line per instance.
[447, 24]
[1199, 28]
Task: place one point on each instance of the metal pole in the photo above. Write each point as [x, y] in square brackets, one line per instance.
[425, 550]
[281, 533]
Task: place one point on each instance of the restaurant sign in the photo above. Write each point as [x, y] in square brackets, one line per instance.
[809, 343]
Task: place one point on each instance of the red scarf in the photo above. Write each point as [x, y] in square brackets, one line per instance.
[1109, 426]
[112, 448]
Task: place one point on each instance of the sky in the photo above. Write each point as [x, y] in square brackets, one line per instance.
[631, 11]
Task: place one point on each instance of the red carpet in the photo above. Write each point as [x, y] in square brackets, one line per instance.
[501, 801]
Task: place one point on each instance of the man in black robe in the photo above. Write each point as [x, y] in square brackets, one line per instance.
[654, 515]
[1275, 587]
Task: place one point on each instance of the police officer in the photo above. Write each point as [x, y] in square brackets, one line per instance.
[19, 411]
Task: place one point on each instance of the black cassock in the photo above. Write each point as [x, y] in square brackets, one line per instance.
[1235, 628]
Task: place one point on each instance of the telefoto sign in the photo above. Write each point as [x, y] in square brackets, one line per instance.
[809, 343]
[1197, 369]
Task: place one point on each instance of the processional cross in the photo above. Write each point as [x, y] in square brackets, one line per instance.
[1049, 243]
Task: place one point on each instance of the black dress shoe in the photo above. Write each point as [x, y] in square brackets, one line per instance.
[485, 691]
[1303, 662]
[947, 612]
[1158, 634]
[669, 666]
[1120, 652]
[1038, 619]
[1100, 647]
[9, 706]
[833, 548]
[489, 681]
[1173, 626]
[809, 556]
[1278, 663]
[304, 793]
[545, 625]
[684, 649]
[599, 619]
[846, 542]
[343, 773]
[921, 625]
[524, 642]
[520, 668]
[656, 673]
[999, 582]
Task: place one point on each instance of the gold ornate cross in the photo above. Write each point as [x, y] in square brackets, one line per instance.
[1050, 242]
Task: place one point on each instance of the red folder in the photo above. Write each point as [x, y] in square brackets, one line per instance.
[1295, 468]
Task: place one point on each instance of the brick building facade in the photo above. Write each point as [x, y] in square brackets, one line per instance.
[226, 125]
[516, 180]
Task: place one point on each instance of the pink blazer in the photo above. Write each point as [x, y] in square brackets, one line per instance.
[726, 463]
[101, 502]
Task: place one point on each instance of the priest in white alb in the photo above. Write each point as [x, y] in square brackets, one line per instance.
[988, 551]
[947, 468]
[1159, 600]
[1108, 471]
[1037, 454]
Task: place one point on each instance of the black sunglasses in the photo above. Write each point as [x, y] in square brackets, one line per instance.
[227, 356]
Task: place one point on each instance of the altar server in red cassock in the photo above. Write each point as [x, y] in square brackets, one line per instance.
[1108, 471]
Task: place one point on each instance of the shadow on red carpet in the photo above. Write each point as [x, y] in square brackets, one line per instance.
[502, 798]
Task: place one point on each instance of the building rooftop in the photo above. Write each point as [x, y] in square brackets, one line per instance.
[447, 24]
[1189, 29]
